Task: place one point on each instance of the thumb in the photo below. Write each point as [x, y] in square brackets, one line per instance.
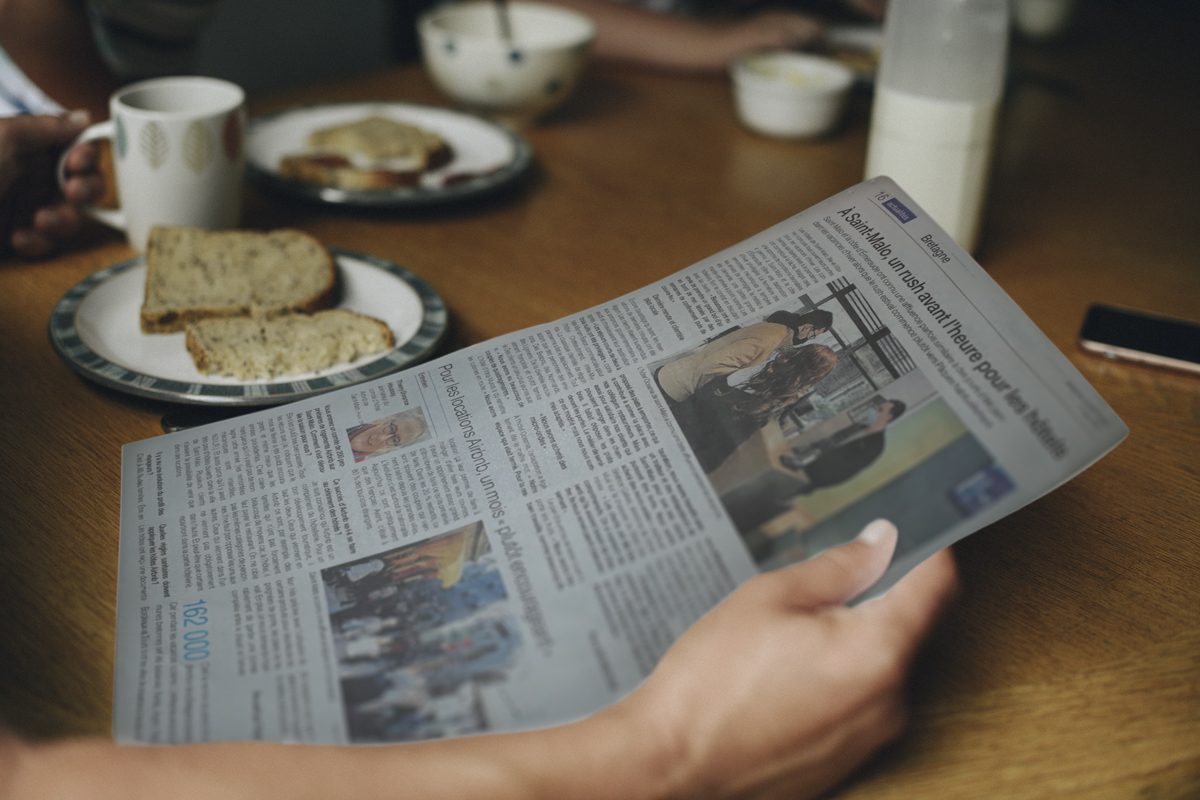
[841, 574]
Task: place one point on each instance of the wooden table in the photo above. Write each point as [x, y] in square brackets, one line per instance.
[1070, 666]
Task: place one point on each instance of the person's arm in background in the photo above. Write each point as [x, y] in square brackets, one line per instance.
[635, 35]
[782, 690]
[667, 41]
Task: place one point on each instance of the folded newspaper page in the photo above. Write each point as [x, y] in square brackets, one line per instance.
[512, 536]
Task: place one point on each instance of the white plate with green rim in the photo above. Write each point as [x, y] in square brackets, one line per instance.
[96, 330]
[485, 156]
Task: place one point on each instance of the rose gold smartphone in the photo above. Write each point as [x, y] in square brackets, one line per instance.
[1126, 335]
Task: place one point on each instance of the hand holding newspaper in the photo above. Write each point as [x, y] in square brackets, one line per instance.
[512, 536]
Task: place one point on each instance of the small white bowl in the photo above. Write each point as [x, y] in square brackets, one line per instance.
[789, 95]
[469, 60]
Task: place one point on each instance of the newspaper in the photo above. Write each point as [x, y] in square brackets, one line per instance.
[511, 536]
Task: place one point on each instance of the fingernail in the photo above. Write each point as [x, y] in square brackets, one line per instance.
[79, 117]
[876, 532]
[21, 240]
[48, 218]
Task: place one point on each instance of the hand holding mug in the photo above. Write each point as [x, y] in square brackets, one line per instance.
[178, 151]
[34, 218]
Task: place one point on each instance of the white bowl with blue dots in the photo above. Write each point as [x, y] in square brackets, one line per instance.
[521, 78]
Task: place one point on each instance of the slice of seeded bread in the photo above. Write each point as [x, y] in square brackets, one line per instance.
[379, 139]
[194, 274]
[250, 348]
[372, 153]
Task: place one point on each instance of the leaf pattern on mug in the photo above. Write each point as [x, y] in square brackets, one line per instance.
[198, 146]
[154, 144]
[122, 140]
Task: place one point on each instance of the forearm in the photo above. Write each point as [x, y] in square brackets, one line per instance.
[669, 41]
[595, 759]
[631, 34]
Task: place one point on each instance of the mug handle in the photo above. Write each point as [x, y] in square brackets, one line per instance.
[113, 217]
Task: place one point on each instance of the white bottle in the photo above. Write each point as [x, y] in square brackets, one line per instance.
[936, 98]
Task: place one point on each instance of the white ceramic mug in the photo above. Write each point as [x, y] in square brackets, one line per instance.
[178, 152]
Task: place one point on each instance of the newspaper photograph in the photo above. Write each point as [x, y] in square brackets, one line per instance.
[511, 536]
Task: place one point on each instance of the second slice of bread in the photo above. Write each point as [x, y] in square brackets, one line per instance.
[259, 349]
[193, 274]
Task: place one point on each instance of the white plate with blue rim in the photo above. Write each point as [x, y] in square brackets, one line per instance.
[95, 328]
[485, 156]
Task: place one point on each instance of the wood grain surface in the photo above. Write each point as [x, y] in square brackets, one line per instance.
[1069, 666]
